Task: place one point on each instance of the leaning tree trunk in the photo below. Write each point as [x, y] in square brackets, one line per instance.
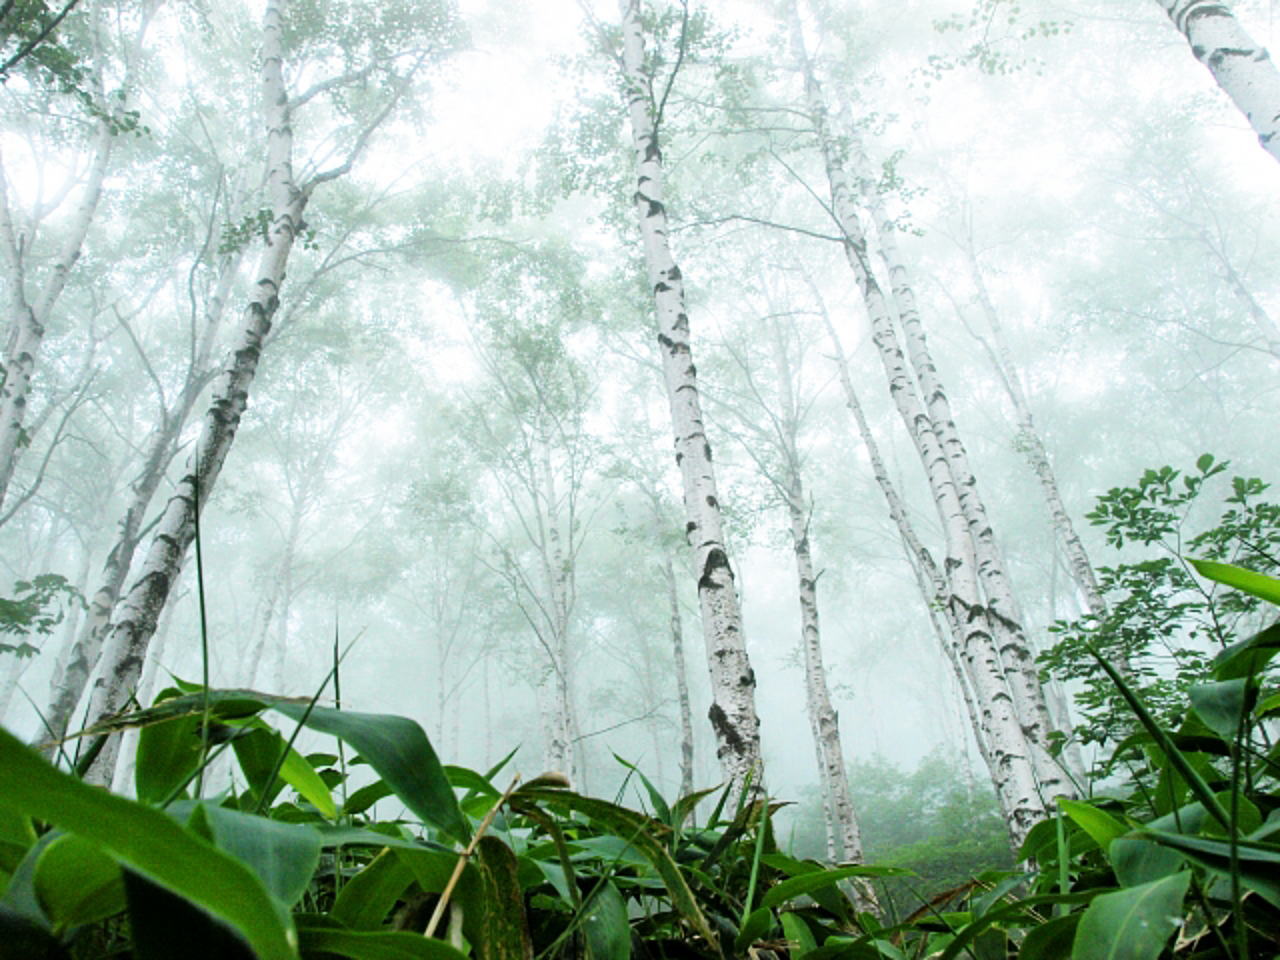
[1017, 776]
[135, 622]
[1008, 764]
[1037, 456]
[1001, 609]
[733, 682]
[1243, 68]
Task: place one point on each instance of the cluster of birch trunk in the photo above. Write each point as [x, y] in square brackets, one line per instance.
[531, 433]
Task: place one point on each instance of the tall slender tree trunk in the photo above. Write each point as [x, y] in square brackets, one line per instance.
[27, 320]
[135, 622]
[68, 684]
[1242, 67]
[682, 679]
[1000, 739]
[733, 682]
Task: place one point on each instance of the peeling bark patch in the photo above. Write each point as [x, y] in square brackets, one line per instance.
[725, 731]
[716, 560]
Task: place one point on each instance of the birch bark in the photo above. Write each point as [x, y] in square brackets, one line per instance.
[1014, 755]
[126, 644]
[68, 684]
[1243, 68]
[682, 679]
[733, 712]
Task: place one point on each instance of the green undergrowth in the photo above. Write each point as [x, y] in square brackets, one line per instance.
[292, 860]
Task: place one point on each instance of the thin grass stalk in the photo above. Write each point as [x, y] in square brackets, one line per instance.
[1175, 756]
[204, 631]
[761, 828]
[306, 714]
[466, 855]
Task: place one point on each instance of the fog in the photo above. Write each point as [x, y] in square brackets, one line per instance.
[455, 458]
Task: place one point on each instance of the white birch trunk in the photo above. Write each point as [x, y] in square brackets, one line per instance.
[682, 680]
[1013, 758]
[733, 712]
[1243, 68]
[68, 683]
[27, 320]
[135, 622]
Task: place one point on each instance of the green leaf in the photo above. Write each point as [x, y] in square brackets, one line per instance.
[395, 747]
[645, 833]
[364, 798]
[164, 925]
[361, 945]
[1222, 705]
[798, 932]
[1248, 658]
[283, 855]
[398, 749]
[1136, 859]
[1132, 924]
[661, 810]
[258, 752]
[76, 883]
[367, 898]
[168, 754]
[1050, 940]
[1248, 581]
[1097, 823]
[502, 932]
[807, 883]
[150, 842]
[605, 924]
[1259, 863]
[755, 927]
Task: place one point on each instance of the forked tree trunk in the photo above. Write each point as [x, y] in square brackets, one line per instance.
[1243, 68]
[733, 682]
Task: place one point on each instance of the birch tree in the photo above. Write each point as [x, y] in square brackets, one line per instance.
[998, 658]
[733, 712]
[1241, 66]
[287, 197]
[33, 285]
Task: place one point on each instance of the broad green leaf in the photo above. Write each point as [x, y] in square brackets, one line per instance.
[647, 834]
[807, 883]
[1259, 863]
[76, 883]
[1096, 822]
[364, 798]
[395, 747]
[798, 933]
[755, 927]
[1028, 911]
[1255, 584]
[284, 855]
[150, 842]
[367, 898]
[1221, 705]
[1137, 859]
[362, 945]
[258, 752]
[1050, 940]
[495, 919]
[605, 925]
[168, 754]
[367, 837]
[1249, 657]
[1132, 924]
[398, 749]
[163, 926]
